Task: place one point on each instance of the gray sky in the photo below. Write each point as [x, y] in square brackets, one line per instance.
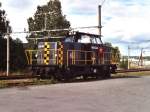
[123, 20]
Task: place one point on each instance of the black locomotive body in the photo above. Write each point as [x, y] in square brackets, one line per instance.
[79, 54]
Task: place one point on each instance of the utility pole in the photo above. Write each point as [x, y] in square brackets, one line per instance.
[141, 58]
[99, 17]
[128, 57]
[99, 20]
[100, 24]
[101, 60]
[8, 57]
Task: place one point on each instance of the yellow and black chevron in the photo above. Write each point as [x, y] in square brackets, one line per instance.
[46, 53]
[60, 53]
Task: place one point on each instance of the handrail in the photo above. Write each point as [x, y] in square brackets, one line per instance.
[72, 56]
[85, 60]
[30, 54]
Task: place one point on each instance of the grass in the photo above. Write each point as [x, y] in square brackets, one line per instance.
[137, 74]
[35, 81]
[25, 82]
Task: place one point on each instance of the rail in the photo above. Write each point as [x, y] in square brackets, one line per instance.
[11, 77]
[31, 76]
[131, 70]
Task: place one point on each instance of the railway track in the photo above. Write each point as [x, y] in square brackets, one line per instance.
[11, 77]
[132, 70]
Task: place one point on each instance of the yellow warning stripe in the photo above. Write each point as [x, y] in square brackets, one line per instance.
[60, 54]
[46, 53]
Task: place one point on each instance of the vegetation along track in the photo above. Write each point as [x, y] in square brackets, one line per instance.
[132, 70]
[31, 76]
[17, 77]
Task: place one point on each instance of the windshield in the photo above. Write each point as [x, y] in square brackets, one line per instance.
[89, 39]
[69, 39]
[84, 39]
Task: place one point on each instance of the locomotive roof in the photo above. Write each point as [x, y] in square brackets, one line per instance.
[89, 34]
[75, 35]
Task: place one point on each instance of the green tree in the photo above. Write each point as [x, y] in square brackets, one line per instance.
[124, 63]
[17, 56]
[116, 55]
[51, 14]
[108, 44]
[4, 25]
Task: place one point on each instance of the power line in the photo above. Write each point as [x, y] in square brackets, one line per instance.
[65, 29]
[130, 42]
[103, 2]
[44, 38]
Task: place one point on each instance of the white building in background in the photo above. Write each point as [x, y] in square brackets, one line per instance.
[135, 63]
[146, 63]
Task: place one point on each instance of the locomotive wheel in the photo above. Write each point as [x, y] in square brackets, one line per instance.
[106, 75]
[62, 76]
[67, 76]
[58, 75]
[47, 75]
[42, 74]
[85, 77]
[98, 76]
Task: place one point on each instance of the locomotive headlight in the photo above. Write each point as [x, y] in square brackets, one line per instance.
[55, 55]
[101, 50]
[36, 55]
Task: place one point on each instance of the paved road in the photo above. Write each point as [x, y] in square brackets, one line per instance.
[114, 95]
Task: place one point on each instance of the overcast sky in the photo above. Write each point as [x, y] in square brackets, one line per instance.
[123, 20]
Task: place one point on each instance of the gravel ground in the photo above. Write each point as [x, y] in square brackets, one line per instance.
[113, 95]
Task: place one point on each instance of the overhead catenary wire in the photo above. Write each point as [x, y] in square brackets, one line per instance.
[103, 2]
[129, 42]
[48, 37]
[65, 29]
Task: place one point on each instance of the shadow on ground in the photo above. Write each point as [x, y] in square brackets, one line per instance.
[131, 76]
[78, 80]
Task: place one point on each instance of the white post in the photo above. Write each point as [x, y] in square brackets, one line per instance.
[128, 57]
[7, 54]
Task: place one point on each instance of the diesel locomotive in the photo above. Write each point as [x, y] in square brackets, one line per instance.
[76, 55]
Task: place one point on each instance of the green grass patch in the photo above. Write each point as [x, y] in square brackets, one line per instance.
[138, 74]
[25, 82]
[35, 81]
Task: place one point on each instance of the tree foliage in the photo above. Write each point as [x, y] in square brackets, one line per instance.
[124, 63]
[17, 56]
[51, 15]
[4, 24]
[116, 55]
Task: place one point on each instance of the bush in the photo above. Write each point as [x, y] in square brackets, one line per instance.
[17, 55]
[124, 64]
